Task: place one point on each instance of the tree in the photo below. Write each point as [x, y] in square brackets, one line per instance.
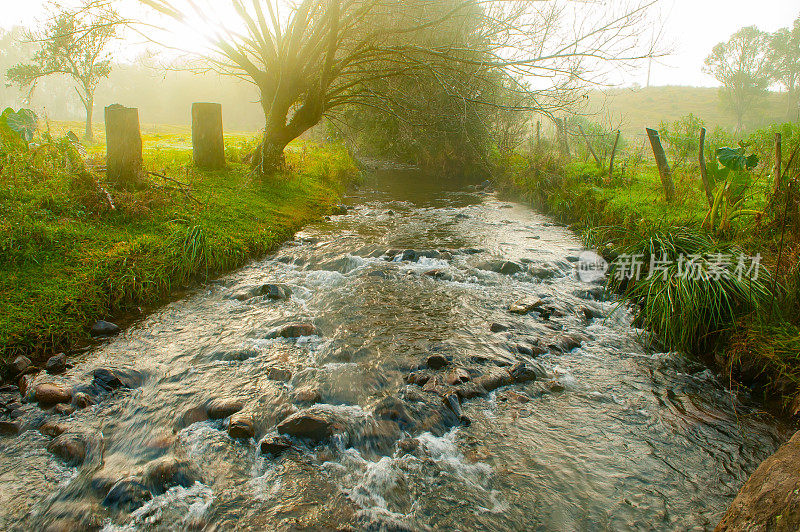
[742, 66]
[73, 42]
[324, 54]
[784, 60]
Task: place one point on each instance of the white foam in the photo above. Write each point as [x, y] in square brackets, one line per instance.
[192, 503]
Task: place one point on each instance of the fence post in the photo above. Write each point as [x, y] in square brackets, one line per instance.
[611, 163]
[776, 180]
[663, 166]
[589, 145]
[703, 170]
[561, 127]
[208, 145]
[123, 145]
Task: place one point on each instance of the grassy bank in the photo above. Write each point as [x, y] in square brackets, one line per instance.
[747, 328]
[67, 258]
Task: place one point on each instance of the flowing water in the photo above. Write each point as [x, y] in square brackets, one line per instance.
[611, 436]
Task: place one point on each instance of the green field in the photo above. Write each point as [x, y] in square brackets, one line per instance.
[68, 259]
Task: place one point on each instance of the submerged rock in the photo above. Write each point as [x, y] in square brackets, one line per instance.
[437, 361]
[313, 423]
[127, 495]
[52, 429]
[107, 380]
[70, 447]
[222, 408]
[770, 499]
[104, 329]
[271, 291]
[9, 428]
[275, 445]
[294, 330]
[82, 400]
[168, 471]
[525, 305]
[503, 267]
[306, 394]
[498, 327]
[194, 415]
[279, 374]
[48, 394]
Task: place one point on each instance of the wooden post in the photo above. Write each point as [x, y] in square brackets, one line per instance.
[589, 145]
[561, 127]
[663, 165]
[776, 179]
[208, 145]
[703, 170]
[123, 146]
[613, 154]
[538, 134]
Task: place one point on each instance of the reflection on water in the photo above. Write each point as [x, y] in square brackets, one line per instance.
[613, 437]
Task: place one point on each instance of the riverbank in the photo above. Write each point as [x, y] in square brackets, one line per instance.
[75, 251]
[737, 328]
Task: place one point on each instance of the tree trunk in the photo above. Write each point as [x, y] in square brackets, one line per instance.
[123, 146]
[776, 170]
[663, 165]
[613, 155]
[208, 145]
[89, 133]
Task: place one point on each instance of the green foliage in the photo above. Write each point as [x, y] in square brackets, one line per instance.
[731, 182]
[682, 138]
[23, 123]
[683, 310]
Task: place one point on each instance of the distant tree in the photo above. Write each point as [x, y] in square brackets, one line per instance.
[73, 42]
[310, 58]
[784, 61]
[742, 66]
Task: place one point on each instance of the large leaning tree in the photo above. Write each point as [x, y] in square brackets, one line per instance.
[742, 66]
[74, 42]
[784, 62]
[313, 58]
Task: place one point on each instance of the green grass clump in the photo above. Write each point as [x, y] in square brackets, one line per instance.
[67, 258]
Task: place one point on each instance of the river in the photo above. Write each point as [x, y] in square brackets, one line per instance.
[611, 435]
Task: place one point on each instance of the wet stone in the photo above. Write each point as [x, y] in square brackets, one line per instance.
[458, 376]
[163, 473]
[525, 306]
[82, 400]
[418, 377]
[108, 380]
[275, 445]
[241, 426]
[70, 447]
[193, 415]
[408, 445]
[279, 374]
[56, 364]
[222, 408]
[48, 394]
[306, 394]
[498, 327]
[127, 495]
[313, 424]
[9, 428]
[294, 330]
[52, 429]
[63, 409]
[437, 362]
[104, 329]
[271, 291]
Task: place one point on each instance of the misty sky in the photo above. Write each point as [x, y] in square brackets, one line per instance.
[692, 28]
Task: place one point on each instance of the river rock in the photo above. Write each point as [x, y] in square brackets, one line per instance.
[21, 363]
[222, 408]
[417, 377]
[127, 495]
[24, 384]
[271, 291]
[498, 327]
[504, 267]
[52, 429]
[437, 361]
[294, 330]
[104, 329]
[458, 376]
[542, 272]
[314, 423]
[275, 445]
[193, 415]
[279, 374]
[48, 394]
[589, 313]
[770, 499]
[82, 400]
[522, 372]
[306, 394]
[566, 342]
[435, 385]
[56, 364]
[63, 409]
[525, 305]
[9, 428]
[70, 447]
[168, 471]
[339, 210]
[107, 380]
[241, 426]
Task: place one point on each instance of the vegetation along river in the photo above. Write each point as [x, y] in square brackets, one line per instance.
[407, 396]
